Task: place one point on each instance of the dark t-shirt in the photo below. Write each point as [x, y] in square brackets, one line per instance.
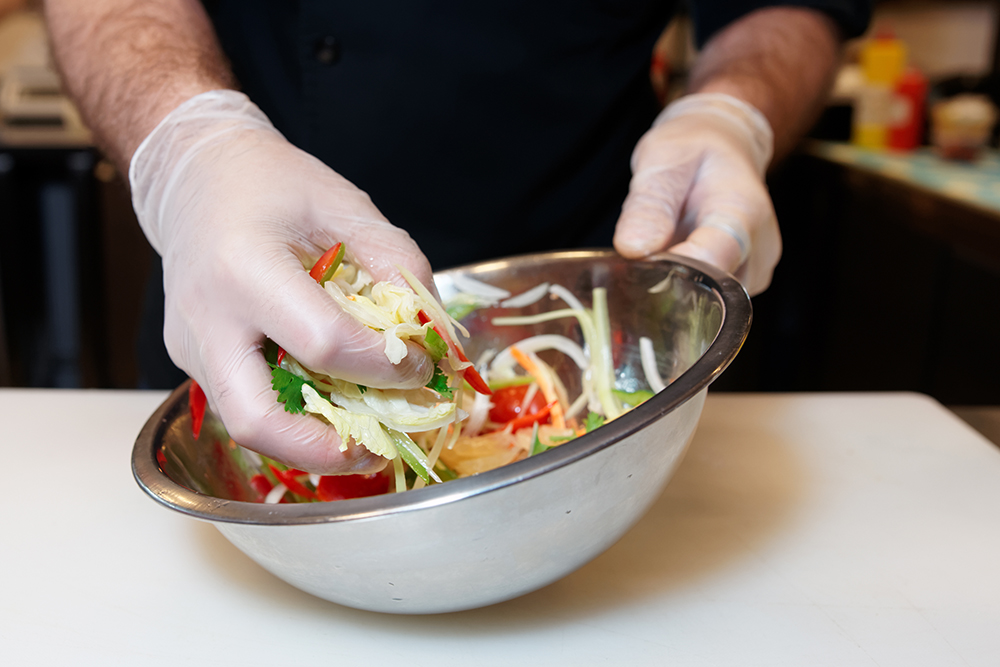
[483, 129]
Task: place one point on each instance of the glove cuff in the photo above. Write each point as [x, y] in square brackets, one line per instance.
[158, 163]
[745, 119]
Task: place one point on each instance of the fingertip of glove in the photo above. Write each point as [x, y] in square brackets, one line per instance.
[637, 239]
[631, 248]
[366, 463]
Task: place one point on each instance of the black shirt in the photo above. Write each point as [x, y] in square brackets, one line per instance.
[483, 129]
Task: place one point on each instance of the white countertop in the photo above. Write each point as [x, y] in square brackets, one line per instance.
[806, 529]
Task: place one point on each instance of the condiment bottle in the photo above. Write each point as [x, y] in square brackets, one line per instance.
[906, 121]
[883, 59]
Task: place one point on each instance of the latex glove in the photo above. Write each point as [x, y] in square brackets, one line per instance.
[698, 189]
[236, 211]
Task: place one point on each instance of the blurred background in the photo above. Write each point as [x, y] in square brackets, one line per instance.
[890, 212]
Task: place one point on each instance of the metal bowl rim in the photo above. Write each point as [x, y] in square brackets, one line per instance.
[737, 316]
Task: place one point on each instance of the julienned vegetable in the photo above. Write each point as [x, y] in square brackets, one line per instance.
[469, 418]
[196, 404]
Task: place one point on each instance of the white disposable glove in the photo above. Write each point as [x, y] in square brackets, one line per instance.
[698, 189]
[235, 211]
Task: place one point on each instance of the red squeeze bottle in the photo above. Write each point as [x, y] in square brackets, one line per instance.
[906, 125]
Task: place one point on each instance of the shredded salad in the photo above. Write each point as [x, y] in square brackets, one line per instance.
[470, 417]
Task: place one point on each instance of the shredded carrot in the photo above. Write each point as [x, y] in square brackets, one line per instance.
[544, 383]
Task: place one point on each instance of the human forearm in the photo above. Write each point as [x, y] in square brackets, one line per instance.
[781, 60]
[128, 63]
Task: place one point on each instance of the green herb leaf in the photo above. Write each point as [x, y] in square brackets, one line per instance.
[289, 388]
[362, 388]
[536, 446]
[593, 421]
[435, 345]
[439, 383]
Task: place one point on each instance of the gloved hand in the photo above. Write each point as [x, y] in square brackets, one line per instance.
[698, 189]
[236, 211]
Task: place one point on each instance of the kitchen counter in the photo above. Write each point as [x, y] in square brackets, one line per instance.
[972, 183]
[801, 529]
[955, 202]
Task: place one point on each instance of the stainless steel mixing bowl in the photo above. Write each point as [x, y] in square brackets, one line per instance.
[487, 538]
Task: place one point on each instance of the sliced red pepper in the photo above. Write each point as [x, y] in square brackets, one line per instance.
[527, 420]
[261, 484]
[281, 355]
[196, 405]
[342, 487]
[287, 477]
[326, 266]
[475, 380]
[470, 374]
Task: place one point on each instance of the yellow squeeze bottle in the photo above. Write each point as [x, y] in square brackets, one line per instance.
[883, 60]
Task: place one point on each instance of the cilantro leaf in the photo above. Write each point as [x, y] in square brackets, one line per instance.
[593, 421]
[435, 345]
[439, 383]
[289, 388]
[362, 389]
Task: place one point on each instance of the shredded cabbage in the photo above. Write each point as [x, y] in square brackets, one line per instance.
[363, 429]
[429, 430]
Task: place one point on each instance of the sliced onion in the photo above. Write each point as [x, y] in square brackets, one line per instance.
[484, 361]
[582, 400]
[481, 406]
[663, 284]
[470, 285]
[275, 495]
[251, 457]
[649, 367]
[505, 360]
[526, 298]
[567, 296]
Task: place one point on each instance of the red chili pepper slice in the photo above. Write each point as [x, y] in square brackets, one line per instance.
[196, 405]
[475, 380]
[342, 487]
[281, 355]
[261, 484]
[527, 420]
[326, 266]
[470, 374]
[287, 477]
